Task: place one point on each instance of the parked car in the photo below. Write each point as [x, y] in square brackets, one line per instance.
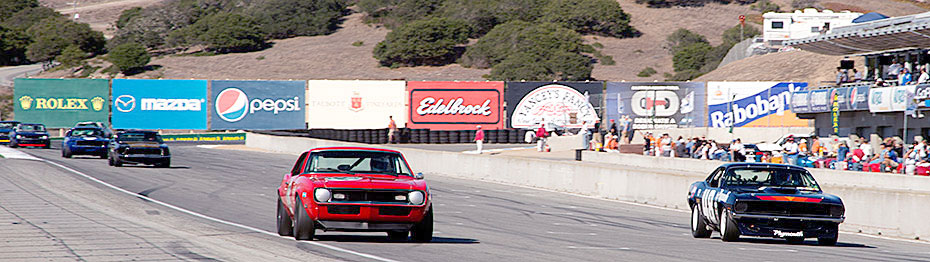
[138, 147]
[764, 200]
[354, 189]
[5, 128]
[85, 141]
[29, 135]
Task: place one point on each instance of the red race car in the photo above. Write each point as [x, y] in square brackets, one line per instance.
[354, 189]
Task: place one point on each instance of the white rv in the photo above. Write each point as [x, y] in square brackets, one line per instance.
[779, 27]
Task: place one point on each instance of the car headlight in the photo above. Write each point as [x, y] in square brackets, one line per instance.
[741, 207]
[837, 211]
[19, 137]
[416, 197]
[43, 137]
[322, 195]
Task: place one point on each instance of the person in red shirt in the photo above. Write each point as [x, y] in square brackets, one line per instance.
[541, 136]
[479, 138]
[392, 130]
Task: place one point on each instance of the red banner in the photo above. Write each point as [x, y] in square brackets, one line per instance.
[455, 105]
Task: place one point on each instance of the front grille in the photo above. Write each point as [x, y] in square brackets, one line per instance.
[371, 196]
[143, 151]
[89, 143]
[787, 208]
[393, 211]
[343, 210]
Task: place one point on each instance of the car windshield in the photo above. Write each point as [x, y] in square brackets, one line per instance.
[86, 132]
[6, 125]
[769, 177]
[138, 137]
[358, 162]
[32, 128]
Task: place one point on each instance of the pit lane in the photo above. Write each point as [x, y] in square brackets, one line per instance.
[475, 221]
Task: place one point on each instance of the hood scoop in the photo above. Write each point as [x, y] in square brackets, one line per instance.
[781, 190]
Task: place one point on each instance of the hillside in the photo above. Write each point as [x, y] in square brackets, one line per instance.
[799, 66]
[334, 57]
[100, 14]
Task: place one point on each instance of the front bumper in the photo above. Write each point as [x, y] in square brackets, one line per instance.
[786, 226]
[363, 226]
[32, 142]
[366, 217]
[144, 159]
[89, 150]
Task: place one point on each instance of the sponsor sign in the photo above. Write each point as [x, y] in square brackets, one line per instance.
[835, 109]
[556, 104]
[257, 105]
[61, 103]
[902, 97]
[922, 91]
[857, 98]
[752, 104]
[880, 99]
[355, 104]
[159, 104]
[657, 105]
[455, 105]
[800, 102]
[820, 100]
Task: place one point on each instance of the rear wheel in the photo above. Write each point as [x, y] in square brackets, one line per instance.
[285, 224]
[116, 162]
[728, 229]
[47, 146]
[423, 231]
[698, 227]
[303, 224]
[13, 144]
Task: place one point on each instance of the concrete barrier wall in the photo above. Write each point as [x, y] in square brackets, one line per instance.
[876, 203]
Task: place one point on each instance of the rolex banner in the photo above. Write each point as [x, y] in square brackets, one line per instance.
[59, 103]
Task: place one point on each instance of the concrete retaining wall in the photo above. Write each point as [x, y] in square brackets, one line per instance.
[876, 203]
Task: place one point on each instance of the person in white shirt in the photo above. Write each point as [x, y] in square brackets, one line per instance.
[791, 151]
[736, 150]
[924, 77]
[866, 148]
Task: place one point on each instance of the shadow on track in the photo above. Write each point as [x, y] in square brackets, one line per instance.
[808, 242]
[384, 239]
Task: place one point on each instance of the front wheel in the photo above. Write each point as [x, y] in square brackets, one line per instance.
[303, 224]
[698, 226]
[423, 231]
[285, 224]
[831, 239]
[728, 228]
[164, 164]
[65, 153]
[13, 144]
[397, 235]
[116, 162]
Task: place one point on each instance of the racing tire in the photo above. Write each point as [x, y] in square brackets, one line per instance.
[698, 226]
[285, 224]
[423, 231]
[103, 156]
[303, 225]
[163, 164]
[397, 235]
[794, 240]
[116, 162]
[65, 153]
[13, 144]
[830, 240]
[729, 232]
[47, 146]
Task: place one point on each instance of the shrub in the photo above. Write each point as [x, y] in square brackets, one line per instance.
[765, 6]
[670, 3]
[681, 38]
[71, 56]
[129, 57]
[535, 66]
[13, 46]
[731, 36]
[22, 20]
[516, 36]
[483, 15]
[647, 72]
[9, 7]
[126, 16]
[801, 4]
[290, 18]
[224, 33]
[52, 35]
[425, 42]
[601, 17]
[691, 57]
[394, 13]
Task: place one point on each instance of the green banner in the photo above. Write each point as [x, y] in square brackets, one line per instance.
[61, 102]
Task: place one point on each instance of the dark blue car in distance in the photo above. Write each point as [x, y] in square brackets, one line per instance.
[33, 135]
[85, 141]
[764, 200]
[5, 128]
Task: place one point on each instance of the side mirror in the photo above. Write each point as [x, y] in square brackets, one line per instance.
[418, 175]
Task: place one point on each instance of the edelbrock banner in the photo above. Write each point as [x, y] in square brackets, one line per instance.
[159, 104]
[556, 104]
[257, 105]
[657, 105]
[59, 103]
[355, 104]
[442, 105]
[752, 104]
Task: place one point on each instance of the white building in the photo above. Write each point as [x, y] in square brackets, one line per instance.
[779, 27]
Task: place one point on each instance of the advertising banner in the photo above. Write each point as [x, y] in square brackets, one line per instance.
[556, 104]
[902, 97]
[59, 103]
[880, 99]
[752, 104]
[835, 109]
[820, 100]
[800, 102]
[159, 104]
[455, 105]
[922, 91]
[657, 105]
[355, 104]
[257, 105]
[855, 98]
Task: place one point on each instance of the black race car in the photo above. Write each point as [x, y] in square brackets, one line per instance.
[764, 200]
[138, 147]
[26, 135]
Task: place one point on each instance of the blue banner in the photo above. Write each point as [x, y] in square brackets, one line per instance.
[257, 105]
[159, 104]
[753, 104]
[800, 102]
[657, 105]
[820, 100]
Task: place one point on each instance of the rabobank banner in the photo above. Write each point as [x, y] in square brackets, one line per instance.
[159, 104]
[257, 105]
[752, 104]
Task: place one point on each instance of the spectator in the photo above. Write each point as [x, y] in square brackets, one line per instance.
[624, 124]
[541, 136]
[666, 145]
[613, 127]
[802, 148]
[585, 135]
[857, 76]
[894, 69]
[479, 138]
[736, 150]
[392, 130]
[791, 151]
[816, 147]
[887, 159]
[612, 145]
[913, 157]
[841, 149]
[840, 76]
[691, 146]
[879, 83]
[856, 160]
[647, 147]
[681, 148]
[924, 77]
[628, 130]
[598, 139]
[904, 77]
[866, 148]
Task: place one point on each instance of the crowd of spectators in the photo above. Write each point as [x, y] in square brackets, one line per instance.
[896, 74]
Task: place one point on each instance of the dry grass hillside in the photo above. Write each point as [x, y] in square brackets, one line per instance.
[798, 65]
[334, 57]
[99, 14]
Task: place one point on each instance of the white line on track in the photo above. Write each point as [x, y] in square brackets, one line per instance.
[192, 213]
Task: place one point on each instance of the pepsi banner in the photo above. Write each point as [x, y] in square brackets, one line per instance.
[855, 99]
[257, 105]
[447, 105]
[752, 104]
[556, 104]
[657, 105]
[159, 104]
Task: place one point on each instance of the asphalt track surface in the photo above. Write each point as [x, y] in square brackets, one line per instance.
[475, 221]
